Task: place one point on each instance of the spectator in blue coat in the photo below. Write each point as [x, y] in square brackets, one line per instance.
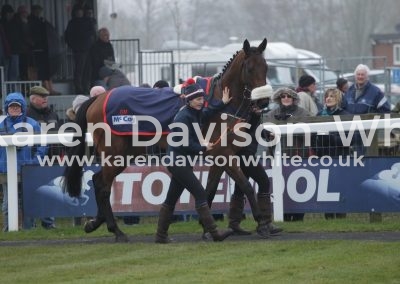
[15, 111]
[363, 96]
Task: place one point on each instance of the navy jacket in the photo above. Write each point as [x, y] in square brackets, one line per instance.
[372, 100]
[188, 116]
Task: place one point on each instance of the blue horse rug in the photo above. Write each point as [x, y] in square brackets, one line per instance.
[124, 105]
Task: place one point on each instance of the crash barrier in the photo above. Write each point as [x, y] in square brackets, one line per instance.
[12, 142]
[304, 183]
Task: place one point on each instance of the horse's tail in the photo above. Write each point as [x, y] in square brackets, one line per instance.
[72, 182]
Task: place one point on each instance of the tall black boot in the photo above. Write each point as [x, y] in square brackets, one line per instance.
[209, 225]
[235, 215]
[164, 220]
[262, 226]
[264, 203]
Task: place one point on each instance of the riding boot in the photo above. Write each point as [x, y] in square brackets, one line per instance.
[235, 215]
[264, 203]
[164, 220]
[209, 225]
[262, 227]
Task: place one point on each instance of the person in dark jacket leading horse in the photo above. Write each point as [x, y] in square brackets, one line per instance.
[182, 175]
[256, 172]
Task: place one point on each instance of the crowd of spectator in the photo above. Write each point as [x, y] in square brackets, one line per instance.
[31, 49]
[362, 97]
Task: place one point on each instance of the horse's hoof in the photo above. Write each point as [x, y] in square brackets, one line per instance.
[166, 240]
[121, 239]
[206, 236]
[89, 227]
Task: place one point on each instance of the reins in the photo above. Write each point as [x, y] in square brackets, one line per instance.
[230, 129]
[242, 109]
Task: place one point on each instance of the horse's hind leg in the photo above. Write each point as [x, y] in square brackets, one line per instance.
[104, 205]
[95, 223]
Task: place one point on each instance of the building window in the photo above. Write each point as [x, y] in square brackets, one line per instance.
[396, 54]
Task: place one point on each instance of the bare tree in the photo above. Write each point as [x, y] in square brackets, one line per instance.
[332, 28]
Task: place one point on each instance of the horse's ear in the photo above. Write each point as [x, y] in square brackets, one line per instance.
[262, 45]
[246, 46]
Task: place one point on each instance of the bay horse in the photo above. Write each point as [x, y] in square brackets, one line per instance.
[246, 70]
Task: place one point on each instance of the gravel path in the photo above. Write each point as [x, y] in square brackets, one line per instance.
[364, 236]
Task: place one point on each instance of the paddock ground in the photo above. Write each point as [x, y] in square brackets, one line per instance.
[292, 235]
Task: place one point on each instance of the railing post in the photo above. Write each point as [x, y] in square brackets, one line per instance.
[12, 185]
[278, 183]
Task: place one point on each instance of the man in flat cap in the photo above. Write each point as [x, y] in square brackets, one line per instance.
[39, 110]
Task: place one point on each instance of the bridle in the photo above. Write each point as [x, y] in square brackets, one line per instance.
[243, 111]
[241, 114]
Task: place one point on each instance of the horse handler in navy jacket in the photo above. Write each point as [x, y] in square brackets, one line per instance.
[182, 173]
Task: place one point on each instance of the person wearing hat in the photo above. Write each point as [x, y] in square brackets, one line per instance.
[161, 84]
[76, 104]
[287, 101]
[342, 84]
[15, 111]
[182, 175]
[112, 78]
[39, 110]
[259, 96]
[306, 93]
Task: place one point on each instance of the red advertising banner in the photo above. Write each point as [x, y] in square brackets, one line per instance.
[143, 189]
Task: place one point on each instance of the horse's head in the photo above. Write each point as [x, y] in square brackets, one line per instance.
[254, 66]
[246, 70]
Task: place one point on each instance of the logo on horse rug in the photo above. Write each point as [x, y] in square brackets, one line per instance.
[125, 105]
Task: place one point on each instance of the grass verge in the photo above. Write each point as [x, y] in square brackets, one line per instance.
[305, 261]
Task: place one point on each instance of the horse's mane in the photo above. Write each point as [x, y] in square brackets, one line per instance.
[228, 64]
[253, 50]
